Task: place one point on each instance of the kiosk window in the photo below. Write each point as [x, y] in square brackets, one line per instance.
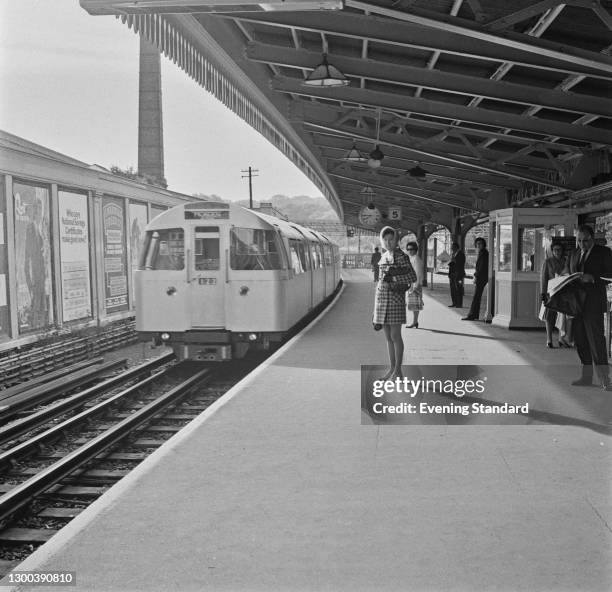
[504, 260]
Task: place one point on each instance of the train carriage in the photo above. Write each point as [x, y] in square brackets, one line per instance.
[216, 279]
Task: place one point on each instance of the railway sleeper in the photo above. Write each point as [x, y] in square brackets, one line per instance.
[59, 513]
[18, 536]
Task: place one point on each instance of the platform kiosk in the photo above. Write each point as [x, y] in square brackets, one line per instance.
[521, 243]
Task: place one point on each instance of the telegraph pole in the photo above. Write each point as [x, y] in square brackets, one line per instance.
[250, 173]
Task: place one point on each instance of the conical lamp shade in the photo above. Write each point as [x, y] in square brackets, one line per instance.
[353, 155]
[326, 74]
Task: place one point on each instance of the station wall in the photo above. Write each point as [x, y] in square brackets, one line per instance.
[69, 241]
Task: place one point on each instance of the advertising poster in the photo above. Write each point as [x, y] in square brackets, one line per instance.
[4, 309]
[74, 255]
[33, 257]
[115, 260]
[138, 221]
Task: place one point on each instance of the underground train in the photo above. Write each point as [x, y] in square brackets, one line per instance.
[215, 279]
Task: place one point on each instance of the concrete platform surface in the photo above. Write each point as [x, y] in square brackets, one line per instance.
[280, 487]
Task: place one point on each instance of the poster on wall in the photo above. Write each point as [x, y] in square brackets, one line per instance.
[74, 255]
[4, 309]
[115, 260]
[33, 257]
[138, 221]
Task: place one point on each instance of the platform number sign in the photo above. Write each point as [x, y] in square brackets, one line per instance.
[395, 213]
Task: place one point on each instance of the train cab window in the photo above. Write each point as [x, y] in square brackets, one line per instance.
[303, 255]
[328, 255]
[254, 249]
[296, 263]
[206, 253]
[314, 255]
[165, 249]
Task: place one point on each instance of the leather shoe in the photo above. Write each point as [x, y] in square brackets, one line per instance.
[582, 382]
[451, 306]
[469, 319]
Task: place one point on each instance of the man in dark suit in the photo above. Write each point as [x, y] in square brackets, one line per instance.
[456, 275]
[374, 261]
[594, 262]
[481, 277]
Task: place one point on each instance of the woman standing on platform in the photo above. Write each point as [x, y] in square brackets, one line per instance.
[415, 293]
[396, 276]
[551, 268]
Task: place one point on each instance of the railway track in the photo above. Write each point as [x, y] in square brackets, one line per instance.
[62, 458]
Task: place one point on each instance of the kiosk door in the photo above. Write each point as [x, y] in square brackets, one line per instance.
[207, 278]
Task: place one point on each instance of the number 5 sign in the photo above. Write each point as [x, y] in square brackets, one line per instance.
[395, 213]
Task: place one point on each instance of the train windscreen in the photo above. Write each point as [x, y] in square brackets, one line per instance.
[165, 249]
[254, 249]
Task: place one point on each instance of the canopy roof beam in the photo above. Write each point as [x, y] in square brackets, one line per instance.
[404, 103]
[509, 40]
[396, 142]
[307, 109]
[405, 34]
[433, 79]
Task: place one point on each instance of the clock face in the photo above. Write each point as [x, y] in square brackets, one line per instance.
[370, 217]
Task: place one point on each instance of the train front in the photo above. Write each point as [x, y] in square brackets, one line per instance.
[183, 287]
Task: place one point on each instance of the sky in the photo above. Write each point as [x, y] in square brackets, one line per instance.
[69, 81]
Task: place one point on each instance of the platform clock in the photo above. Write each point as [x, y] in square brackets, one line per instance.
[370, 216]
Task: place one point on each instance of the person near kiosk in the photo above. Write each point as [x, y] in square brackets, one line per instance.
[594, 262]
[456, 275]
[552, 267]
[481, 278]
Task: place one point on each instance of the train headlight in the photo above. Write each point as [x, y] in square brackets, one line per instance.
[252, 336]
[165, 336]
[171, 291]
[244, 290]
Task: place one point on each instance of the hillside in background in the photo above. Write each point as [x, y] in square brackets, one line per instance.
[298, 207]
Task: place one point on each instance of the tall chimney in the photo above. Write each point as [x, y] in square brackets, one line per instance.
[150, 126]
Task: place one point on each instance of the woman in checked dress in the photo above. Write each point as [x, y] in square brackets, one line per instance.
[396, 276]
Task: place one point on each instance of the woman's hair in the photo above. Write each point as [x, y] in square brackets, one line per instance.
[388, 230]
[412, 245]
[555, 243]
[481, 240]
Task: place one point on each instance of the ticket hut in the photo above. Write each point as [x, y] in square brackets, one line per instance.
[521, 243]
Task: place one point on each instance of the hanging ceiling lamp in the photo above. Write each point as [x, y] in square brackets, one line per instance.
[326, 74]
[417, 172]
[376, 155]
[353, 155]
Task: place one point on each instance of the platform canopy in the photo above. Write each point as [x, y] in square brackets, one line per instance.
[442, 107]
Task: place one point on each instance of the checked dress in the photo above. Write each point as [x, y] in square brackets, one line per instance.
[390, 305]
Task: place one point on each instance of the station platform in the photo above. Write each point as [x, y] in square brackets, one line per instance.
[279, 486]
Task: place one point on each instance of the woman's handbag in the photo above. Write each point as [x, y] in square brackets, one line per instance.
[399, 288]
